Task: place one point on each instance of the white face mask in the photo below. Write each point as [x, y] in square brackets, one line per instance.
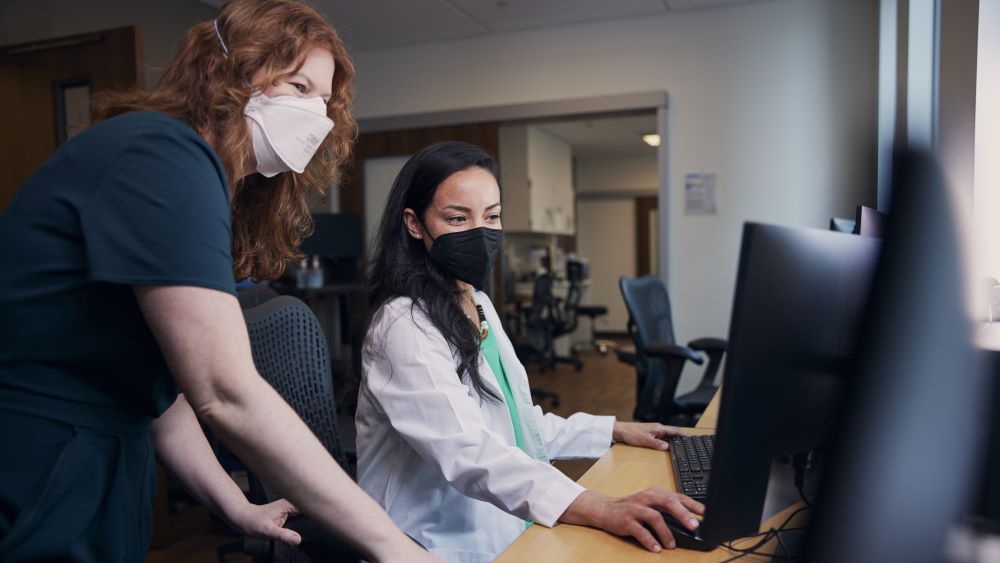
[286, 131]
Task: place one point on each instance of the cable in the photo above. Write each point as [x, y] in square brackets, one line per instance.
[805, 499]
[772, 533]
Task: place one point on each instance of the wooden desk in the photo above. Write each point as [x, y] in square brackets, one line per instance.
[622, 471]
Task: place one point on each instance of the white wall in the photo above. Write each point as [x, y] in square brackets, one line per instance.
[777, 98]
[987, 165]
[606, 226]
[610, 257]
[163, 24]
[379, 175]
[616, 174]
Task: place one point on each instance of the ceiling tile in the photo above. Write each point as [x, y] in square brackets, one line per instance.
[379, 24]
[681, 5]
[511, 15]
[608, 136]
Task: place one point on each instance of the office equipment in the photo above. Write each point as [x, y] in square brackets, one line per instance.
[985, 510]
[919, 386]
[798, 307]
[335, 235]
[533, 338]
[869, 222]
[691, 457]
[290, 352]
[565, 316]
[659, 361]
[842, 224]
[338, 240]
[577, 272]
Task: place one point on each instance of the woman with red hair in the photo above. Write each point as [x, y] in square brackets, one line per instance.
[119, 327]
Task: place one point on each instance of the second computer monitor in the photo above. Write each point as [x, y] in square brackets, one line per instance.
[799, 303]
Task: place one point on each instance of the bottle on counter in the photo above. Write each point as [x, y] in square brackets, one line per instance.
[301, 274]
[315, 275]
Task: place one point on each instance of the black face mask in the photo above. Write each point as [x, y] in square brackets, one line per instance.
[467, 255]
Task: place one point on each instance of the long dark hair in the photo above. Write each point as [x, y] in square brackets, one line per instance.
[401, 267]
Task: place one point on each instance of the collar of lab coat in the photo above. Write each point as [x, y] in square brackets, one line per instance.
[517, 377]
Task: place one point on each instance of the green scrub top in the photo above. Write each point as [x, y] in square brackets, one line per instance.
[139, 199]
[492, 354]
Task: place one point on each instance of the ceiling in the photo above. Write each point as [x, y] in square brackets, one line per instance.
[380, 24]
[605, 136]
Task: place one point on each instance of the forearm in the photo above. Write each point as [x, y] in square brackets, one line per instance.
[264, 432]
[203, 336]
[182, 447]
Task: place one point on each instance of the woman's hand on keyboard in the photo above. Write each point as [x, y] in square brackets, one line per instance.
[644, 434]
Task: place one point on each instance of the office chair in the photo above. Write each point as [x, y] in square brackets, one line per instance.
[659, 361]
[533, 338]
[255, 295]
[290, 352]
[565, 316]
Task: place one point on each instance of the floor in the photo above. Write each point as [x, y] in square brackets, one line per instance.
[604, 387]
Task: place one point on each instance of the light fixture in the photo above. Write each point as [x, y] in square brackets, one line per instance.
[652, 139]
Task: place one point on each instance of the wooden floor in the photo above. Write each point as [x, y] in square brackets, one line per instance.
[604, 387]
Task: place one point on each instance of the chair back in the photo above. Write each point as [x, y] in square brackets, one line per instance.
[290, 352]
[568, 315]
[649, 310]
[255, 295]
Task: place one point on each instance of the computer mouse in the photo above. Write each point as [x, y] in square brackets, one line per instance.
[685, 538]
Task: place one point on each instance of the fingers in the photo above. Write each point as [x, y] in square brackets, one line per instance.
[653, 443]
[284, 535]
[661, 430]
[692, 505]
[644, 537]
[288, 507]
[682, 514]
[676, 505]
[655, 522]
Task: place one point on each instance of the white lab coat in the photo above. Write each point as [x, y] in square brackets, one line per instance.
[443, 463]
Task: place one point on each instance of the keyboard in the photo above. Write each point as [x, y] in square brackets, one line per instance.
[692, 460]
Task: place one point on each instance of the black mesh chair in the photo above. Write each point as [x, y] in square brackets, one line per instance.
[659, 361]
[532, 334]
[255, 295]
[290, 352]
[566, 316]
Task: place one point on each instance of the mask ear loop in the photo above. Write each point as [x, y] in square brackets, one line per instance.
[225, 50]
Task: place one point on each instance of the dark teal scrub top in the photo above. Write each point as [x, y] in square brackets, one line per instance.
[139, 199]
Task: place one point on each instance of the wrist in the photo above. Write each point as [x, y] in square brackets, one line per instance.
[616, 432]
[586, 509]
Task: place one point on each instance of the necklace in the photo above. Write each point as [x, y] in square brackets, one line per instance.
[484, 327]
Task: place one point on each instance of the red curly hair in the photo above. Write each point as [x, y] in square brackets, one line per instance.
[209, 89]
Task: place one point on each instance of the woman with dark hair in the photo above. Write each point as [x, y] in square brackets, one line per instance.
[448, 439]
[117, 292]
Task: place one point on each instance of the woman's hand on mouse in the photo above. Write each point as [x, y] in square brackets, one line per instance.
[644, 434]
[636, 515]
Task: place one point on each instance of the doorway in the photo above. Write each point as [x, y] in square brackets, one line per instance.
[45, 88]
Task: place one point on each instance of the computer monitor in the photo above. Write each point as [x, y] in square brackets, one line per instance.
[903, 468]
[335, 236]
[985, 509]
[869, 222]
[798, 307]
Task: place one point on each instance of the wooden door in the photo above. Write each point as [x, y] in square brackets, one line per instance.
[44, 88]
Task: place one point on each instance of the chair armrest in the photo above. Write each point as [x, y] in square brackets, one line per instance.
[661, 349]
[592, 310]
[625, 355]
[709, 344]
